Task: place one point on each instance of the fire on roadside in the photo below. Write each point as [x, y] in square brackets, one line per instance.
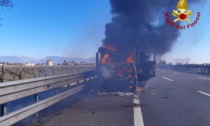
[109, 47]
[106, 59]
[129, 58]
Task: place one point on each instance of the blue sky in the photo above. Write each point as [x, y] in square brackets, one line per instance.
[75, 28]
[39, 28]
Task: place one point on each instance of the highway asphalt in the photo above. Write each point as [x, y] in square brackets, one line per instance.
[101, 106]
[169, 99]
[176, 99]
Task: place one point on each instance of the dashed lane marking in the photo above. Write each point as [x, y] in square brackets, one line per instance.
[138, 119]
[176, 73]
[204, 78]
[204, 93]
[167, 79]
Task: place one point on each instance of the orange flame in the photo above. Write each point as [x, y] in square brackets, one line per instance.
[106, 59]
[120, 73]
[129, 58]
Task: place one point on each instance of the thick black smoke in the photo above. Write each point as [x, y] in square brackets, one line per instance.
[141, 24]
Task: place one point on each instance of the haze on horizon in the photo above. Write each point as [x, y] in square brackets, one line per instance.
[75, 28]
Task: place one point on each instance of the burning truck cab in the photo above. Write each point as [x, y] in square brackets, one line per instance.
[135, 68]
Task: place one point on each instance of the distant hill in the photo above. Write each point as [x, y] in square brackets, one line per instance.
[56, 59]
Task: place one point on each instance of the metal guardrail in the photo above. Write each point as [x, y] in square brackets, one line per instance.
[190, 68]
[10, 91]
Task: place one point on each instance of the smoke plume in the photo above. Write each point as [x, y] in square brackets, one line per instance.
[141, 24]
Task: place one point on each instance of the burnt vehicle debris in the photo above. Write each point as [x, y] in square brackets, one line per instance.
[135, 69]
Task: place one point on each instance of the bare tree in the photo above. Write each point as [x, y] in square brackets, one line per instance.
[6, 3]
[187, 60]
[176, 61]
[182, 61]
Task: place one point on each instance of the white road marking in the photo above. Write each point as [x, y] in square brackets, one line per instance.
[167, 79]
[138, 119]
[72, 84]
[204, 93]
[204, 78]
[81, 81]
[176, 73]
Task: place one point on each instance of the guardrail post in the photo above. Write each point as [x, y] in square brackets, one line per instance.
[36, 96]
[69, 85]
[56, 91]
[4, 109]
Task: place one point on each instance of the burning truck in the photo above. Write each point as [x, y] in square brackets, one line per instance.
[135, 68]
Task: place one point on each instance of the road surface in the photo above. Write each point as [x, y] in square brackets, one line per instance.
[169, 99]
[101, 106]
[176, 99]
